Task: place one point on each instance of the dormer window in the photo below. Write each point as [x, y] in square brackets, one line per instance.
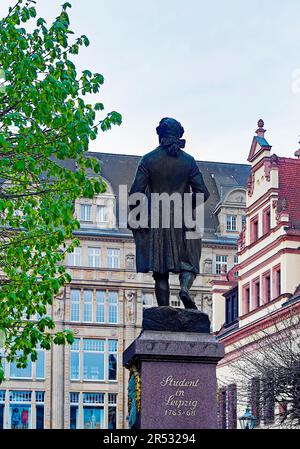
[85, 212]
[231, 223]
[102, 216]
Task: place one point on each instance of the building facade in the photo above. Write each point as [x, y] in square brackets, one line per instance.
[84, 385]
[254, 302]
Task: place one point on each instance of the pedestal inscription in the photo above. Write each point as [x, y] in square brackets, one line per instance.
[183, 397]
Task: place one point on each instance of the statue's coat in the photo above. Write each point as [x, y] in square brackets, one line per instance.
[167, 249]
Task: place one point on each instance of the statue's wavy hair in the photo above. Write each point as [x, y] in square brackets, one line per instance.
[169, 127]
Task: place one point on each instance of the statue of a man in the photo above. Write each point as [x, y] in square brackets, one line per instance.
[168, 169]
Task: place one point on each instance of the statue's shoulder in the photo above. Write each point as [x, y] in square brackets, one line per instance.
[187, 156]
[188, 159]
[148, 157]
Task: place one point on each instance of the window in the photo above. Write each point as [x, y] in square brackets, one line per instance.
[236, 260]
[94, 257]
[256, 294]
[93, 308]
[246, 299]
[93, 410]
[74, 258]
[220, 262]
[276, 282]
[113, 307]
[231, 223]
[100, 300]
[231, 308]
[148, 299]
[113, 256]
[175, 301]
[75, 305]
[74, 359]
[21, 373]
[112, 411]
[39, 399]
[93, 359]
[112, 359]
[20, 409]
[40, 364]
[254, 229]
[266, 220]
[85, 212]
[102, 216]
[266, 288]
[74, 402]
[36, 369]
[2, 408]
[87, 306]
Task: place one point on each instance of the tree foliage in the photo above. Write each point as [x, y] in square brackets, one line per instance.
[45, 122]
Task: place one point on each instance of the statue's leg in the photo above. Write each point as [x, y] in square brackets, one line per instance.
[186, 279]
[162, 289]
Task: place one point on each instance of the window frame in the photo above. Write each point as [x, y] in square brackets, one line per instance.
[94, 256]
[266, 216]
[254, 229]
[220, 263]
[231, 223]
[85, 218]
[112, 307]
[111, 258]
[105, 213]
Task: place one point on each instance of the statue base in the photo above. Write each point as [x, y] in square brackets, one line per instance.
[173, 319]
[172, 382]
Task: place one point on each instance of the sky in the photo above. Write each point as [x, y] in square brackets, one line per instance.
[215, 66]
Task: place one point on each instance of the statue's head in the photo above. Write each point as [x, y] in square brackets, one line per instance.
[169, 127]
[169, 133]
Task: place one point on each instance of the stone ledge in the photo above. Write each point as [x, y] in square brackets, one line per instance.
[180, 347]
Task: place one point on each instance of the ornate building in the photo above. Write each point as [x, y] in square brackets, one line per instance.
[251, 310]
[84, 386]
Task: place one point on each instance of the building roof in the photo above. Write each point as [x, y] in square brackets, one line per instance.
[289, 182]
[262, 141]
[218, 176]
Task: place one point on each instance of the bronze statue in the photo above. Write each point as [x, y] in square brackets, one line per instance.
[168, 169]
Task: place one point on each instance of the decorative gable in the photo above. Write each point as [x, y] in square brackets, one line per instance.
[259, 147]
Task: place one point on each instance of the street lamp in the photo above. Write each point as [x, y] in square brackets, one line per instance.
[247, 420]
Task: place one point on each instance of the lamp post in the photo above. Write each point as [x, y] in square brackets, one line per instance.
[247, 420]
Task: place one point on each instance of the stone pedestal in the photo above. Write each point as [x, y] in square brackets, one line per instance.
[172, 382]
